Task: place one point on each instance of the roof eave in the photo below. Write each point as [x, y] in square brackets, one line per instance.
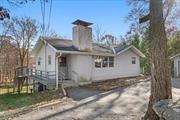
[85, 53]
[175, 56]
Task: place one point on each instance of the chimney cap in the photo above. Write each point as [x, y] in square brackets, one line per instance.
[81, 22]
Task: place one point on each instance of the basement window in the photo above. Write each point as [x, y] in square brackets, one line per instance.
[49, 59]
[133, 60]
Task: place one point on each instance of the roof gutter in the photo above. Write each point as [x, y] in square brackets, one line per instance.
[85, 53]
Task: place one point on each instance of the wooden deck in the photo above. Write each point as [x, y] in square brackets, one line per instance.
[43, 77]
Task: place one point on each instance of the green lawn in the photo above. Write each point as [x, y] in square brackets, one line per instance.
[13, 101]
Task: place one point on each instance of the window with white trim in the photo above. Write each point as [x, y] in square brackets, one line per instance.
[49, 59]
[103, 61]
[133, 60]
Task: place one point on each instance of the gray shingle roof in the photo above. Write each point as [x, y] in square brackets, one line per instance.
[67, 45]
[61, 44]
[121, 47]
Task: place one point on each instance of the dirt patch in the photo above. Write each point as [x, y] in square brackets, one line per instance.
[110, 84]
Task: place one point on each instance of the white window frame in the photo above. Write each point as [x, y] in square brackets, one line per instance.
[49, 60]
[101, 66]
[132, 60]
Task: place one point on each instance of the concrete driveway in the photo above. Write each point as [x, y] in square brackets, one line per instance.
[79, 93]
[86, 104]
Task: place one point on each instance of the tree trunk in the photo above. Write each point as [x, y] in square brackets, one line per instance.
[160, 71]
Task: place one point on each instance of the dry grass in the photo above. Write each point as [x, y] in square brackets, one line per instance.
[106, 85]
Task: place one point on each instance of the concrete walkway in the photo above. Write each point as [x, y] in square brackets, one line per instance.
[119, 104]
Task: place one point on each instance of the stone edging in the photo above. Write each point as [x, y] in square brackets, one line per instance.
[167, 109]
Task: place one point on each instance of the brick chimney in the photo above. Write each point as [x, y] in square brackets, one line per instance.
[82, 35]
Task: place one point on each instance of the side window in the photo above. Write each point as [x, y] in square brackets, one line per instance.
[133, 60]
[49, 59]
[39, 61]
[111, 61]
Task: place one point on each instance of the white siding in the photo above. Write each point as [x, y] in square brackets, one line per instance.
[52, 66]
[44, 59]
[80, 67]
[176, 59]
[41, 54]
[123, 67]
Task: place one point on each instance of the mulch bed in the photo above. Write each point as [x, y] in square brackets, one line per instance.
[110, 84]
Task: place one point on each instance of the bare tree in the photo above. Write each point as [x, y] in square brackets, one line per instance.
[98, 34]
[5, 13]
[109, 40]
[8, 59]
[23, 31]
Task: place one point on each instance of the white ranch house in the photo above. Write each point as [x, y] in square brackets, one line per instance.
[80, 59]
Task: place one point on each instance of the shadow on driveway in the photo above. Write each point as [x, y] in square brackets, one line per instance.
[85, 93]
[79, 93]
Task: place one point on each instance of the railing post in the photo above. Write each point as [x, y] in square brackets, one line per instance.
[35, 73]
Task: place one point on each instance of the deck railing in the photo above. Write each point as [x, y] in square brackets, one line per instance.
[47, 77]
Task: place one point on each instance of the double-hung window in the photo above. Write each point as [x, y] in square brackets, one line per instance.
[133, 60]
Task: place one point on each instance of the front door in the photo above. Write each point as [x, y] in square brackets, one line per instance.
[63, 67]
[178, 68]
